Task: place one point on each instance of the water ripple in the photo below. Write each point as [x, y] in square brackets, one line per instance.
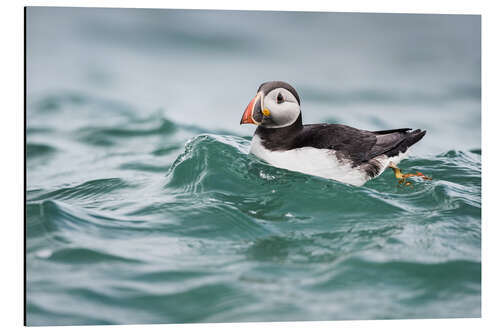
[215, 234]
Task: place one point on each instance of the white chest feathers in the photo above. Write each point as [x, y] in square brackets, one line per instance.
[317, 162]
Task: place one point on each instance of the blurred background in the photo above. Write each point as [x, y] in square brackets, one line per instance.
[144, 206]
[371, 71]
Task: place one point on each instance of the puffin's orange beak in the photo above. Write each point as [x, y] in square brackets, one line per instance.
[247, 115]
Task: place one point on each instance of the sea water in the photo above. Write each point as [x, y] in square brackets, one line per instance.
[144, 206]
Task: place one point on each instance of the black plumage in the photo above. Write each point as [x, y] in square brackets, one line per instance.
[358, 147]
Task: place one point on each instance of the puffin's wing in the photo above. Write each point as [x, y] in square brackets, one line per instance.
[347, 142]
[358, 145]
[393, 142]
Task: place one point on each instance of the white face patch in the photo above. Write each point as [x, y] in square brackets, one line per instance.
[283, 106]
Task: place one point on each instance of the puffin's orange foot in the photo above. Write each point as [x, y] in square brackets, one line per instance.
[424, 177]
[404, 176]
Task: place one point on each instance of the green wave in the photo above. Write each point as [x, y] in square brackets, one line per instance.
[218, 235]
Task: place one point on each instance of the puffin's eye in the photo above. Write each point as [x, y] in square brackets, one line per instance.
[280, 99]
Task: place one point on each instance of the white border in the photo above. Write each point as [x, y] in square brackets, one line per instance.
[423, 6]
[11, 105]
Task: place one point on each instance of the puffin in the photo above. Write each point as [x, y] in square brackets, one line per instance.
[333, 151]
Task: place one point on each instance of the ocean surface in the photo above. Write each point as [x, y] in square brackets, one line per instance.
[144, 206]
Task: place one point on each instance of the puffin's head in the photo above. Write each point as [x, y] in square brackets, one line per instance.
[276, 105]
